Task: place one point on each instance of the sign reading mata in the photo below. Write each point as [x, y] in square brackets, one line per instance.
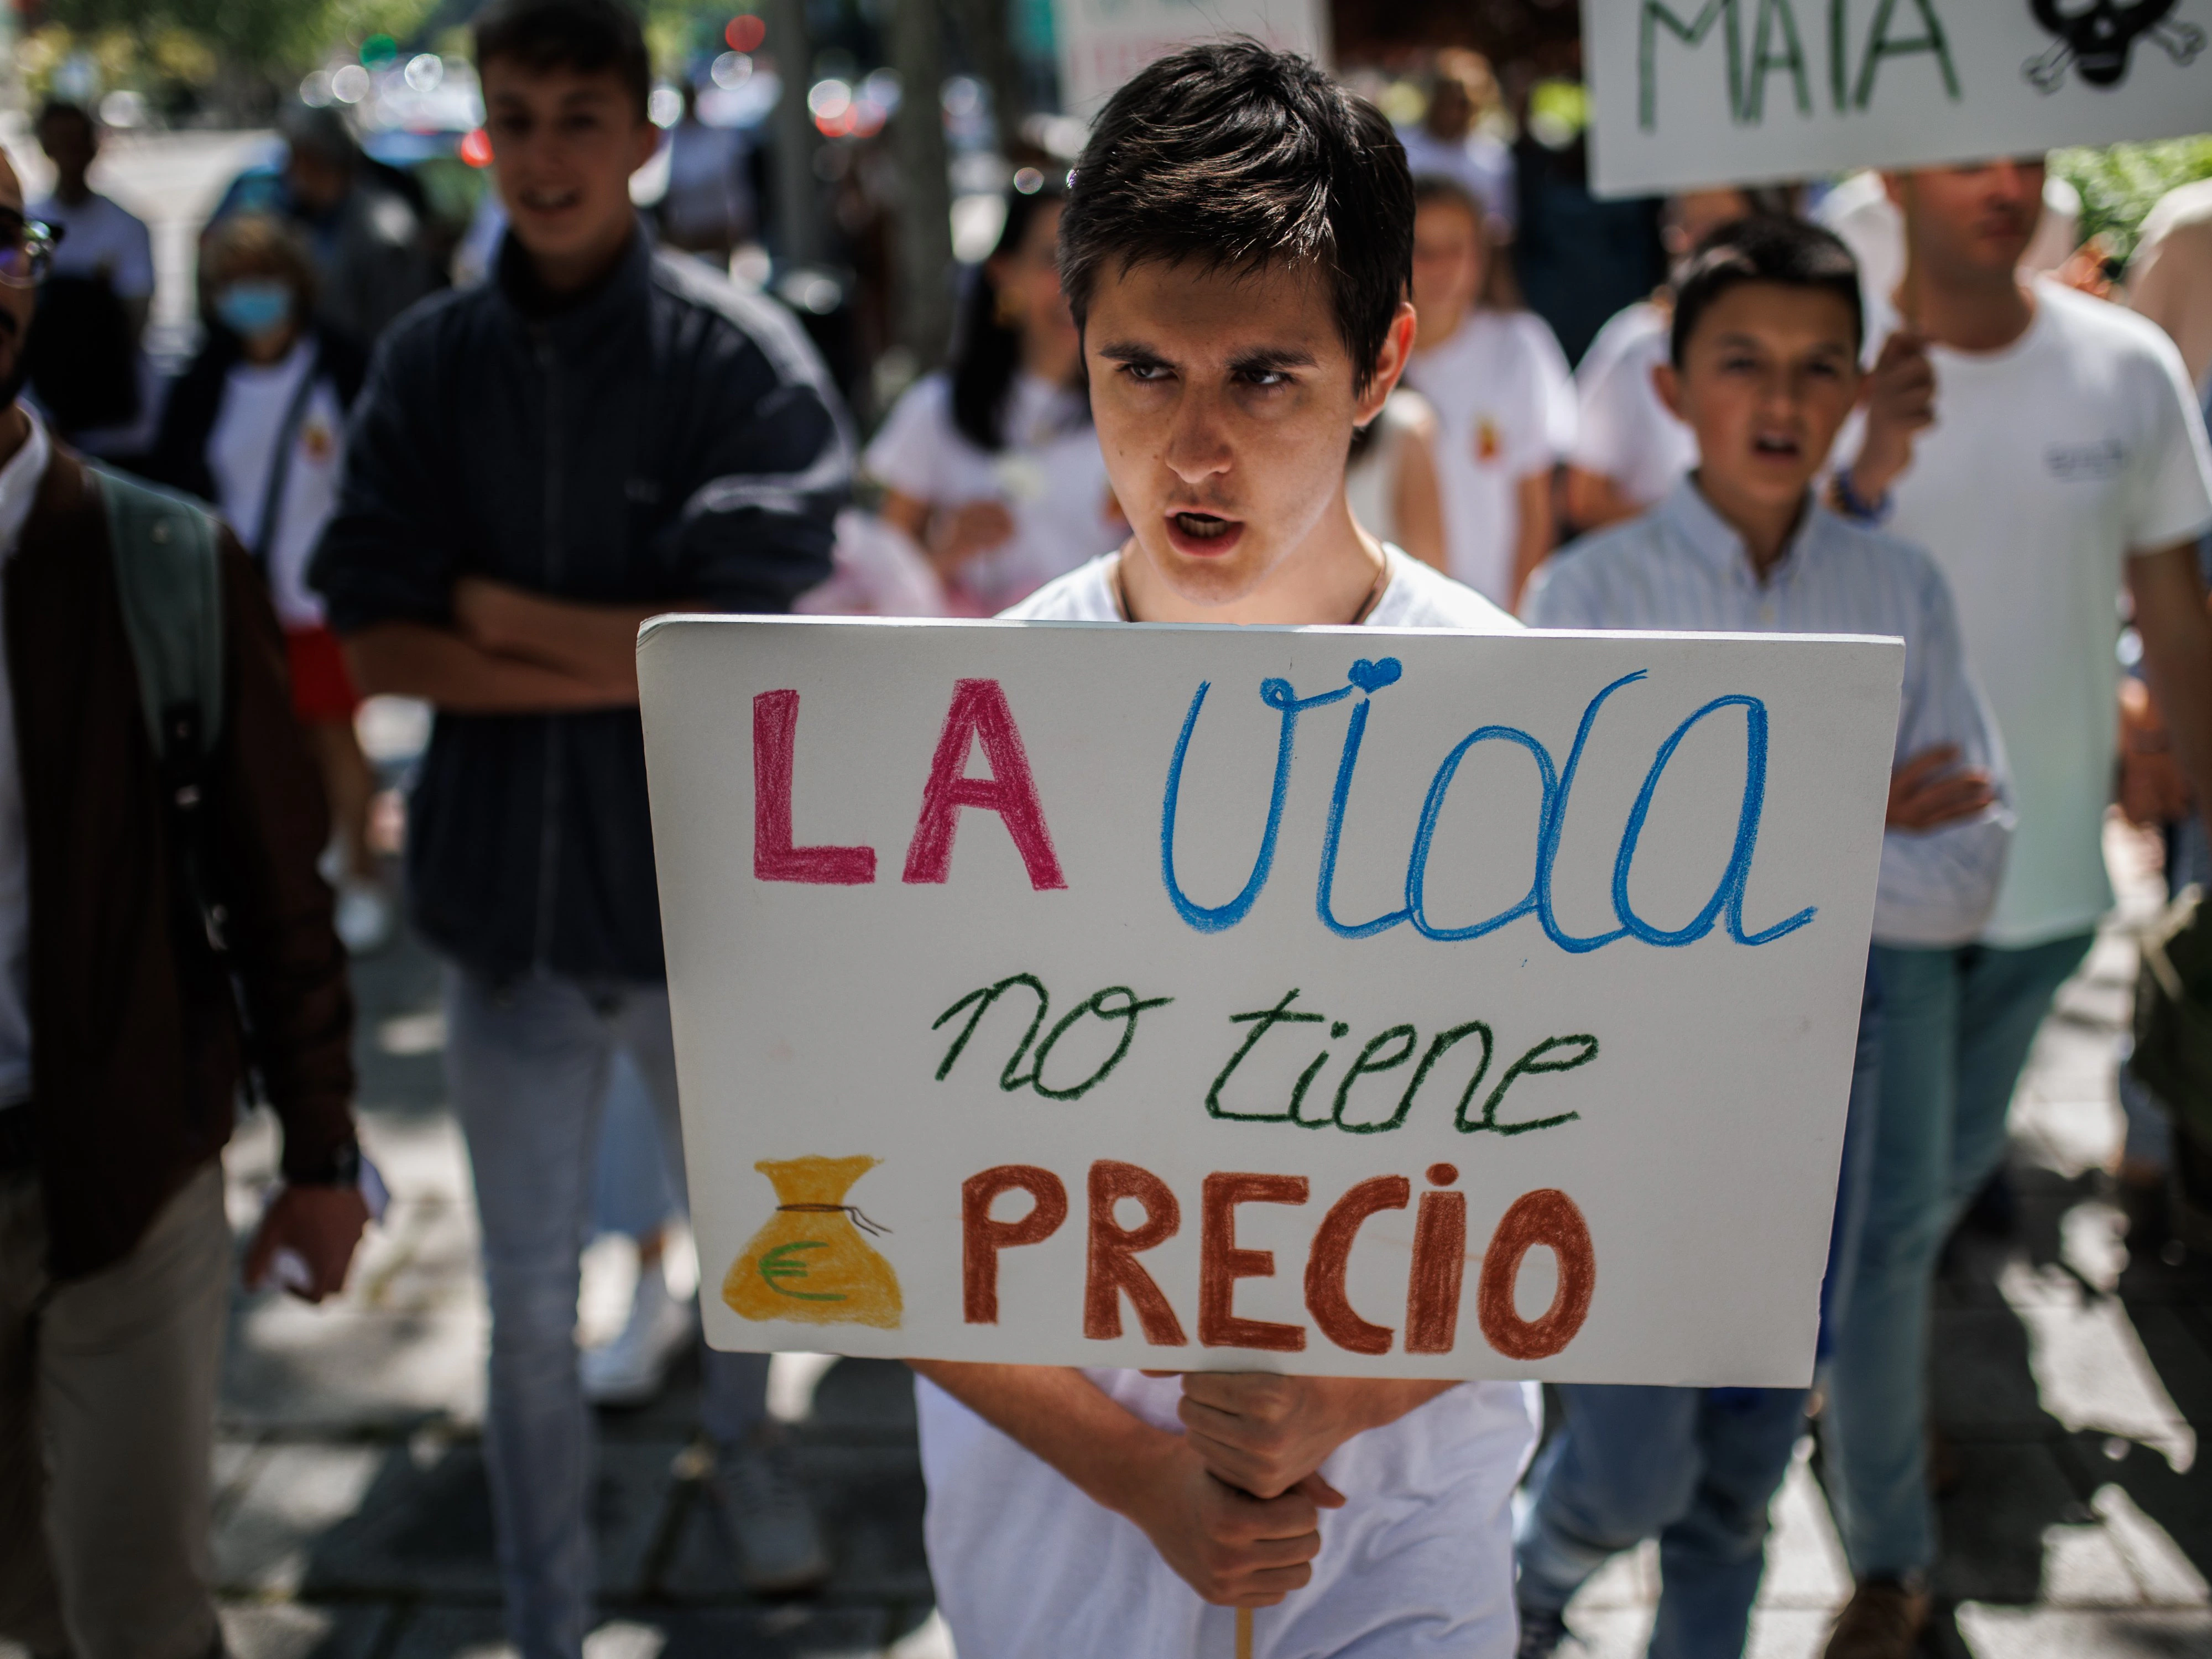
[1336, 1000]
[1692, 92]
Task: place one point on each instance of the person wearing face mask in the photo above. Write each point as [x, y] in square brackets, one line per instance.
[255, 425]
[992, 466]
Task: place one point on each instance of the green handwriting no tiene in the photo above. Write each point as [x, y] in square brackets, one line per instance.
[1387, 1051]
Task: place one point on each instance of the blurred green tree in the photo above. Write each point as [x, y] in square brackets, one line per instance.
[2121, 184]
[272, 38]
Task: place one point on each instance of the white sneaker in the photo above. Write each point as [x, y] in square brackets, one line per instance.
[630, 1370]
[364, 918]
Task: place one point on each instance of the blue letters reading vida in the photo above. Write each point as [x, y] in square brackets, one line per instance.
[1366, 678]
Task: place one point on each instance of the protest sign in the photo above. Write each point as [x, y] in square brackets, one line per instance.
[1692, 92]
[1102, 43]
[1337, 1000]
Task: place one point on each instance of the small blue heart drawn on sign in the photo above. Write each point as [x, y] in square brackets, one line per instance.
[1372, 677]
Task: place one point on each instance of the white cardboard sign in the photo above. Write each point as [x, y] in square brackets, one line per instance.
[1690, 92]
[1104, 42]
[1349, 1001]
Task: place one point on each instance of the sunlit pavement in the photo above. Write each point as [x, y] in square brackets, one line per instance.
[352, 1519]
[2072, 1382]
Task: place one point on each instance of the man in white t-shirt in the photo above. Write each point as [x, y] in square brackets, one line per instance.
[102, 239]
[1449, 138]
[1240, 317]
[95, 378]
[1503, 397]
[2063, 464]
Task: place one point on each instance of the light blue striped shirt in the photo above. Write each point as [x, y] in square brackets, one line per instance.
[1681, 566]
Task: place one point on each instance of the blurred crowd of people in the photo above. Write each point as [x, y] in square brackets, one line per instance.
[473, 497]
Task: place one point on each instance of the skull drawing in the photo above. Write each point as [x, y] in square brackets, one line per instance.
[2095, 39]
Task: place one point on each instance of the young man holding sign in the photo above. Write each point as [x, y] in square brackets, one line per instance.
[1763, 369]
[2062, 461]
[1237, 248]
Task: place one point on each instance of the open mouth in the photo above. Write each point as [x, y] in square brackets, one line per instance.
[1203, 534]
[1773, 446]
[550, 201]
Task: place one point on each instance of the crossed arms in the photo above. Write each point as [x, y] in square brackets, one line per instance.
[509, 651]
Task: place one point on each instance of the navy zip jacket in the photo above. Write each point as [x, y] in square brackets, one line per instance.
[667, 437]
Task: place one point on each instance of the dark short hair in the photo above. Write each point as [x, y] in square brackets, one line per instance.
[1432, 187]
[1229, 154]
[320, 132]
[586, 36]
[1764, 248]
[61, 109]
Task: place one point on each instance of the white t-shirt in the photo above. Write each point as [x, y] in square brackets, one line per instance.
[102, 240]
[1370, 483]
[242, 445]
[1050, 476]
[1483, 165]
[18, 489]
[1419, 1565]
[1624, 431]
[2050, 462]
[1505, 409]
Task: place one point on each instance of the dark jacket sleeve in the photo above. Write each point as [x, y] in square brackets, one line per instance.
[180, 455]
[774, 465]
[269, 824]
[383, 557]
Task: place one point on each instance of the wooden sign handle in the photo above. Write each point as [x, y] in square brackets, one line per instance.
[1907, 297]
[1243, 1634]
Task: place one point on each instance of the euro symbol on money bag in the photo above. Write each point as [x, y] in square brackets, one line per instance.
[810, 1262]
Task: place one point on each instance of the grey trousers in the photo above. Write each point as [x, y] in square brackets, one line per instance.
[107, 1387]
[528, 1060]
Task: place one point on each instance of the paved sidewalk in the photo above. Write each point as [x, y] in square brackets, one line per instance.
[354, 1521]
[2071, 1382]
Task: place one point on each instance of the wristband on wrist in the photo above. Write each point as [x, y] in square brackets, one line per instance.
[1855, 506]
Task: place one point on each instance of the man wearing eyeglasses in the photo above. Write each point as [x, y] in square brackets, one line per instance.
[121, 1053]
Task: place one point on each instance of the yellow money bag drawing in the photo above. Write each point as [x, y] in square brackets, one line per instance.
[810, 1262]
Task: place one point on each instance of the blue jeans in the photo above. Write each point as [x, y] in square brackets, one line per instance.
[1957, 1027]
[527, 1061]
[1696, 1467]
[2188, 862]
[632, 1193]
[1699, 1467]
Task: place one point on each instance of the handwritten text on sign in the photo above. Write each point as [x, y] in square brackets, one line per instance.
[1693, 92]
[1334, 999]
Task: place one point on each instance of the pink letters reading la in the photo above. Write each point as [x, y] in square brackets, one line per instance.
[776, 729]
[978, 713]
